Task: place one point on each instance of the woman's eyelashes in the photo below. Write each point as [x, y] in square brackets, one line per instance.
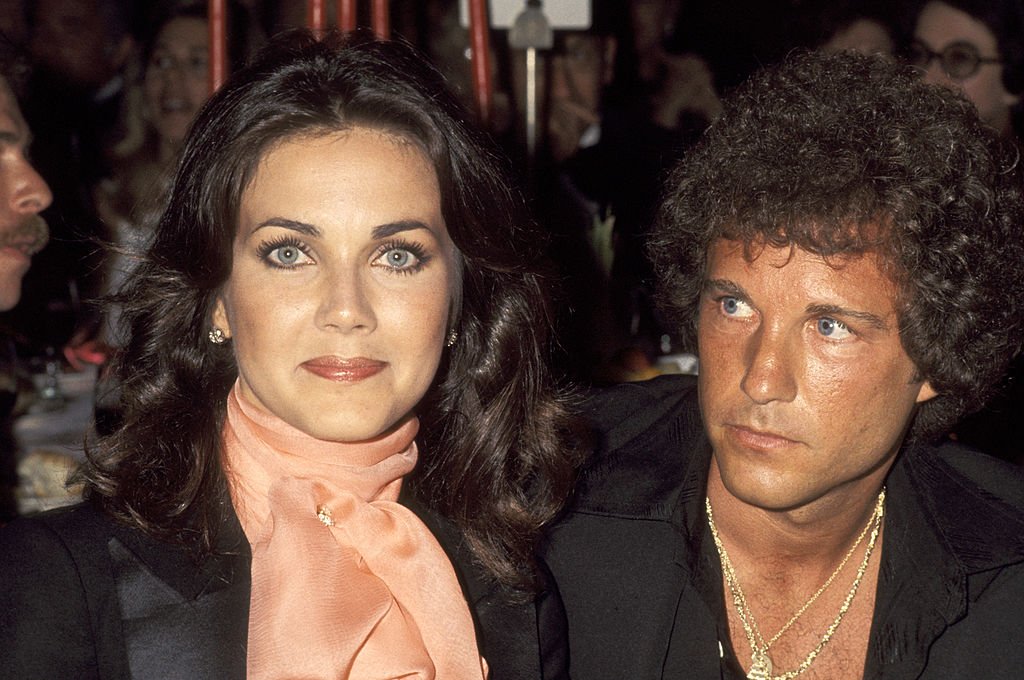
[396, 256]
[402, 257]
[285, 252]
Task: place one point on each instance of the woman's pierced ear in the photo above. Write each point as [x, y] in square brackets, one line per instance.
[216, 336]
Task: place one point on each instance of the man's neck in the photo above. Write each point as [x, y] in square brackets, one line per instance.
[802, 571]
[809, 539]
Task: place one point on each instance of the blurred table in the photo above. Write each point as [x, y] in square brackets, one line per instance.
[51, 439]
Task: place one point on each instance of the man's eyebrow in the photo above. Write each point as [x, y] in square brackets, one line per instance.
[392, 228]
[294, 225]
[725, 286]
[835, 310]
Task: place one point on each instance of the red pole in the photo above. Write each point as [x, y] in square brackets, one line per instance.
[315, 15]
[480, 58]
[347, 15]
[217, 13]
[380, 19]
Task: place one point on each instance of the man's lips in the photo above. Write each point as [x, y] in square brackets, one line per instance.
[27, 237]
[17, 254]
[344, 369]
[764, 440]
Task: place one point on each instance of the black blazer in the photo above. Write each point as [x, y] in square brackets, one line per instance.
[82, 596]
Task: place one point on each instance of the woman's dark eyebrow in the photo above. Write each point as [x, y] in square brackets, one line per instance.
[379, 232]
[294, 225]
[392, 228]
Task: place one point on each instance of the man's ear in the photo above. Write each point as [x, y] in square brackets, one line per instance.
[220, 317]
[926, 392]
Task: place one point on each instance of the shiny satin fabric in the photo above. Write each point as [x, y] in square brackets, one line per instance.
[346, 583]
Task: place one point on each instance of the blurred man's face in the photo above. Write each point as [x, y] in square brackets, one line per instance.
[70, 40]
[578, 69]
[23, 195]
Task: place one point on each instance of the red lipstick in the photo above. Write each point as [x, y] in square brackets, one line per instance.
[344, 370]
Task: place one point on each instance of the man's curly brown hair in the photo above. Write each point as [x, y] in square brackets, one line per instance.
[845, 154]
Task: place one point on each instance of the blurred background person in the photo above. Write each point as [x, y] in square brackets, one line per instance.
[173, 83]
[977, 48]
[865, 26]
[606, 139]
[23, 233]
[79, 51]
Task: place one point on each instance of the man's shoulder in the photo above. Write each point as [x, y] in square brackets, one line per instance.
[644, 435]
[1001, 481]
[79, 526]
[975, 505]
[975, 501]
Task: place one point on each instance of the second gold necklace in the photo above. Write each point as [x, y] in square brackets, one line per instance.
[761, 664]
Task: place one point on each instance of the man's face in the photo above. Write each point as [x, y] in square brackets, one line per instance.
[579, 68]
[23, 194]
[70, 40]
[805, 388]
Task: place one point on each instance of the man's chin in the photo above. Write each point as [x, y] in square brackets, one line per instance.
[10, 290]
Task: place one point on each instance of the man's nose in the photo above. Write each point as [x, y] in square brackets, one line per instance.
[30, 193]
[769, 371]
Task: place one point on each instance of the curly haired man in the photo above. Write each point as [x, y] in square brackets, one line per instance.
[845, 245]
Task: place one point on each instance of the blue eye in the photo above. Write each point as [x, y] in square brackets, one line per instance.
[832, 328]
[402, 257]
[735, 307]
[398, 258]
[286, 254]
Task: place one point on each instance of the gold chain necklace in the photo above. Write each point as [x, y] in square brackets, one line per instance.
[761, 663]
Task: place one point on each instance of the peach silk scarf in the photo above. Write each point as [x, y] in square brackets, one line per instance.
[346, 583]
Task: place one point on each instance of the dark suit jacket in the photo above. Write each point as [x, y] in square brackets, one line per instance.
[82, 596]
[642, 585]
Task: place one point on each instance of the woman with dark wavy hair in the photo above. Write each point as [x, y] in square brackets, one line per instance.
[339, 439]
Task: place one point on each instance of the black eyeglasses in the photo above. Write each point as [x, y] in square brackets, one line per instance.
[959, 60]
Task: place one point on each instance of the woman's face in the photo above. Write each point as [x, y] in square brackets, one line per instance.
[939, 26]
[176, 78]
[341, 283]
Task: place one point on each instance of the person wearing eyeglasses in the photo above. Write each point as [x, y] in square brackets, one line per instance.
[976, 47]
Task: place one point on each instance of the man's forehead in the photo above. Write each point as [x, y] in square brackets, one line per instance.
[11, 120]
[837, 245]
[753, 256]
